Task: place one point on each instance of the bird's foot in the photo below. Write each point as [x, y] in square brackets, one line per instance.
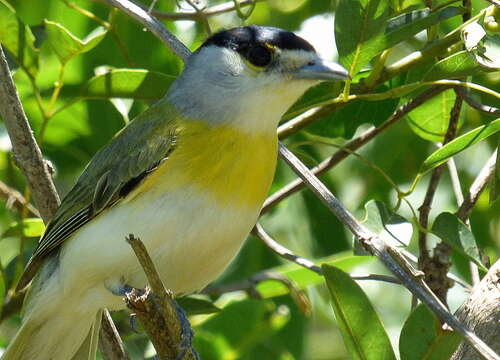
[186, 334]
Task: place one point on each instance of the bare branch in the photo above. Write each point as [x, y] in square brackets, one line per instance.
[436, 267]
[350, 147]
[157, 310]
[390, 256]
[153, 25]
[27, 154]
[477, 187]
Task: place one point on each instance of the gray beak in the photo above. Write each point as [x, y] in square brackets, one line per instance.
[322, 70]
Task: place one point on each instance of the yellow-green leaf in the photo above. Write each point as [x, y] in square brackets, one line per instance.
[66, 45]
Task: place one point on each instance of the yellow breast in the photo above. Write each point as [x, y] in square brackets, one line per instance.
[230, 166]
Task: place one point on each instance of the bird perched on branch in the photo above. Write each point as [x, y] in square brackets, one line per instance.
[188, 177]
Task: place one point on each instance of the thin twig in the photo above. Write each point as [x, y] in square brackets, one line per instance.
[436, 267]
[14, 199]
[153, 25]
[351, 146]
[490, 110]
[283, 251]
[477, 187]
[210, 11]
[389, 255]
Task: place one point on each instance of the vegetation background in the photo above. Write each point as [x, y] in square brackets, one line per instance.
[64, 84]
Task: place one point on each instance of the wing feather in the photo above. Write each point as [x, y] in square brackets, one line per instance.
[111, 174]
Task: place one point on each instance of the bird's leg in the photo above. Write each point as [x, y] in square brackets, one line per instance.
[186, 333]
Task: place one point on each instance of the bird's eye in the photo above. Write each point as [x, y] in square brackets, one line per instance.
[259, 55]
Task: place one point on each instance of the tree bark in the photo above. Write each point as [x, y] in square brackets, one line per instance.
[481, 314]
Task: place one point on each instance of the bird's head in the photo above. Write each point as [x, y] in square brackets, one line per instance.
[240, 71]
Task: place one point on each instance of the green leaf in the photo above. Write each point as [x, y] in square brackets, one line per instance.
[303, 278]
[495, 181]
[459, 144]
[455, 233]
[483, 47]
[422, 337]
[31, 227]
[196, 306]
[345, 121]
[362, 330]
[390, 226]
[359, 32]
[457, 65]
[405, 26]
[242, 325]
[315, 95]
[66, 45]
[18, 39]
[430, 120]
[128, 83]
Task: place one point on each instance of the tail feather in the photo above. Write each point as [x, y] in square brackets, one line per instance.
[88, 349]
[55, 325]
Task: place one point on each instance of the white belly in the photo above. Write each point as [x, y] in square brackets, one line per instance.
[190, 238]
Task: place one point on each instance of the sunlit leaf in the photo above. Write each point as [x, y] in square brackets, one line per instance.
[459, 144]
[345, 121]
[430, 120]
[455, 233]
[483, 47]
[66, 45]
[18, 39]
[422, 337]
[359, 32]
[128, 83]
[362, 330]
[457, 65]
[31, 227]
[390, 226]
[407, 25]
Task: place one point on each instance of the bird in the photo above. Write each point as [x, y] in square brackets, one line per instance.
[188, 176]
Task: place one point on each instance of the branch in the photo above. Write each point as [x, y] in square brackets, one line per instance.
[15, 199]
[157, 310]
[153, 25]
[436, 267]
[110, 344]
[27, 154]
[389, 255]
[482, 313]
[350, 147]
[477, 188]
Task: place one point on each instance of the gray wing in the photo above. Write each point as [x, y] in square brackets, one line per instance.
[111, 174]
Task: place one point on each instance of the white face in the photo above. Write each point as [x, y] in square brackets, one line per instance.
[221, 86]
